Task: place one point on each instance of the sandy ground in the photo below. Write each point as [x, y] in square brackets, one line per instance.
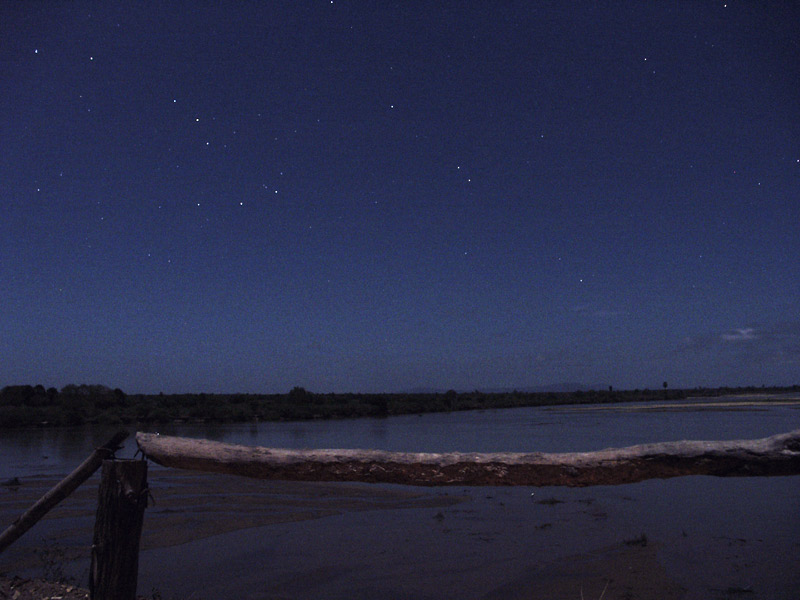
[615, 572]
[423, 524]
[187, 506]
[620, 571]
[690, 404]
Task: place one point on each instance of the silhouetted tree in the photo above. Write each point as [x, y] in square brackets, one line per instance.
[299, 395]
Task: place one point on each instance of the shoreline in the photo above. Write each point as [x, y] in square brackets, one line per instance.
[687, 404]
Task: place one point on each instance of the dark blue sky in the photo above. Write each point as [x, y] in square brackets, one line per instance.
[379, 196]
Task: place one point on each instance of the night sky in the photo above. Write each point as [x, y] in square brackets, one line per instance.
[389, 196]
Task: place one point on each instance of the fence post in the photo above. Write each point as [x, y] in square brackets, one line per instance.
[118, 526]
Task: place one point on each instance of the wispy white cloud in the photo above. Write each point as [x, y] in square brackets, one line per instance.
[740, 335]
[767, 353]
[779, 341]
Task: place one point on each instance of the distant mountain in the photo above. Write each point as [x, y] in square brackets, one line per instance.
[551, 388]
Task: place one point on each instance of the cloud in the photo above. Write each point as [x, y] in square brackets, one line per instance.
[758, 353]
[779, 341]
[741, 335]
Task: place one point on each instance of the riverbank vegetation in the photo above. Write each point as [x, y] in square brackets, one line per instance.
[27, 405]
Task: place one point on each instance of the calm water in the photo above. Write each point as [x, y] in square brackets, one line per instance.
[545, 429]
[711, 534]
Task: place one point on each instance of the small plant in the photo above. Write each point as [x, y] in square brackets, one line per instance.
[637, 541]
[735, 590]
[550, 501]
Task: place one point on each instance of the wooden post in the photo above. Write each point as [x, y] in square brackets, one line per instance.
[60, 491]
[115, 550]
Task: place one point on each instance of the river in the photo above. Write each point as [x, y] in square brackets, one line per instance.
[690, 537]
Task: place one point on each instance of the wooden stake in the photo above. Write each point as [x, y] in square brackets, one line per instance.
[776, 455]
[117, 530]
[60, 491]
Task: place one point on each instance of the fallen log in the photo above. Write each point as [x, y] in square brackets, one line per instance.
[776, 455]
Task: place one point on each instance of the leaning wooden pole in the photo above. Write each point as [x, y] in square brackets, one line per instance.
[60, 491]
[122, 498]
[776, 455]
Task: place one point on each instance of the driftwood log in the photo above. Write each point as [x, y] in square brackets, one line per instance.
[776, 455]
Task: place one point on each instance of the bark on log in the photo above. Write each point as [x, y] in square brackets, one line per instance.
[122, 498]
[776, 455]
[60, 491]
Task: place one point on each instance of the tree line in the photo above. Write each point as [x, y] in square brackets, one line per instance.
[35, 405]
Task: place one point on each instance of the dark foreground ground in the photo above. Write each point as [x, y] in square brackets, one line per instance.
[629, 571]
[308, 541]
[37, 589]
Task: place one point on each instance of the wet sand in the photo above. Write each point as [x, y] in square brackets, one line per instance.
[189, 506]
[619, 571]
[217, 536]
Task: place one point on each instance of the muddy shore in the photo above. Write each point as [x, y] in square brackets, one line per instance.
[306, 540]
